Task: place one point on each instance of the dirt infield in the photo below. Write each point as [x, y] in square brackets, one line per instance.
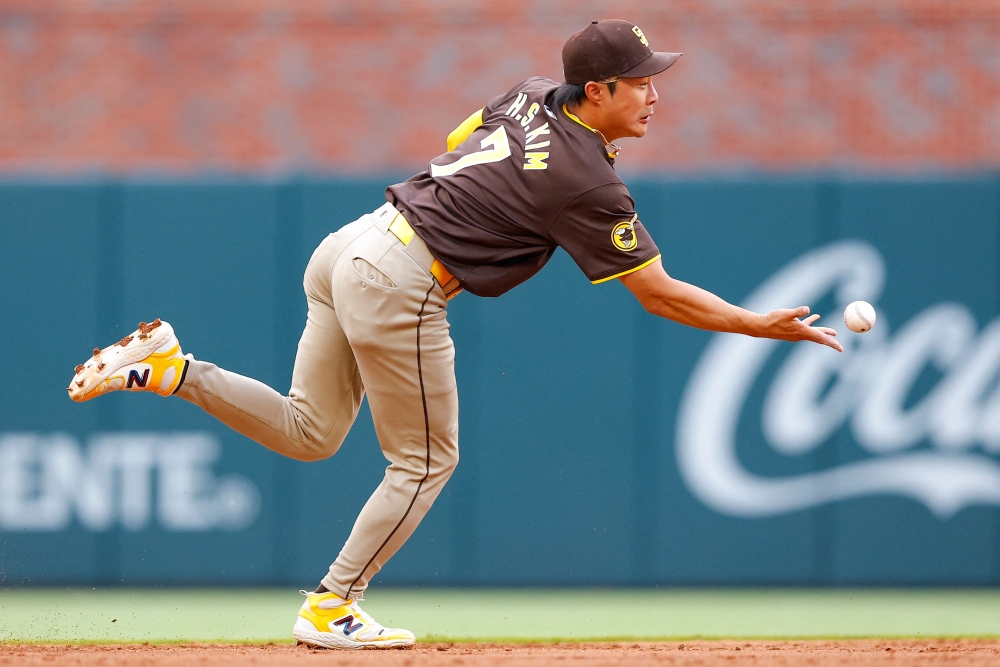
[701, 653]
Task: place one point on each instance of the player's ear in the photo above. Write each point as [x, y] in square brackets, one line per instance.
[594, 92]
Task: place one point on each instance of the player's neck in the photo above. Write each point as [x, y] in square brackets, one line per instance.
[590, 117]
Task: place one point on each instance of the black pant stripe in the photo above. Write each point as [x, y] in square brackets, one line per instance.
[427, 439]
[184, 374]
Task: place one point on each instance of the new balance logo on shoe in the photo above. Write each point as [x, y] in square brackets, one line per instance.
[135, 379]
[348, 627]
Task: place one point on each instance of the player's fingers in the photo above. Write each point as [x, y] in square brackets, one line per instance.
[829, 341]
[827, 330]
[810, 319]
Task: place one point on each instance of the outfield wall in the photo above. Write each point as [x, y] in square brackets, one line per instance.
[599, 445]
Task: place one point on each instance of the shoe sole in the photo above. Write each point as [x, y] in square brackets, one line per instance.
[115, 357]
[305, 633]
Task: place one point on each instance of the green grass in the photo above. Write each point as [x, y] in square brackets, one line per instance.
[261, 615]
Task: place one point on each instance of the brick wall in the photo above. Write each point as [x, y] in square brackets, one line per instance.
[366, 86]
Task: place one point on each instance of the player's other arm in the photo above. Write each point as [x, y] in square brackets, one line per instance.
[685, 303]
[462, 132]
[472, 123]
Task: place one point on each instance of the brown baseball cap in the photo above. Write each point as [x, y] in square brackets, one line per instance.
[610, 48]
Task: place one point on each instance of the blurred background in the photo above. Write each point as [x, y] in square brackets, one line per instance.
[181, 159]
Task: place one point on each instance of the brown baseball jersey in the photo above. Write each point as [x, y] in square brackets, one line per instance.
[527, 179]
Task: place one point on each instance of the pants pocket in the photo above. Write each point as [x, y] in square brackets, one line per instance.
[370, 274]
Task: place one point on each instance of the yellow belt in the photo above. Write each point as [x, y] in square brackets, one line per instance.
[400, 226]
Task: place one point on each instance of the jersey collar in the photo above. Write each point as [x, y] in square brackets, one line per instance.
[611, 148]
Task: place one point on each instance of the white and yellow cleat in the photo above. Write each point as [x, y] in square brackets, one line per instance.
[150, 359]
[329, 621]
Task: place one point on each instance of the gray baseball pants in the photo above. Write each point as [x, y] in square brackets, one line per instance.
[377, 324]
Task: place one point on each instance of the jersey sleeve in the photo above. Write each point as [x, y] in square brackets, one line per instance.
[601, 232]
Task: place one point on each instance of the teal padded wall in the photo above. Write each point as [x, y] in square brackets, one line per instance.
[599, 445]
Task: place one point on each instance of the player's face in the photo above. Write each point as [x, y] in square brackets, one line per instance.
[631, 107]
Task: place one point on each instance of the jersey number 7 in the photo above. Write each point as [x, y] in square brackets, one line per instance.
[495, 147]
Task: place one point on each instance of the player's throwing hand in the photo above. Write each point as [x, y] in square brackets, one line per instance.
[784, 324]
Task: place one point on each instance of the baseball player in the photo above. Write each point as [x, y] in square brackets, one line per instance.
[530, 171]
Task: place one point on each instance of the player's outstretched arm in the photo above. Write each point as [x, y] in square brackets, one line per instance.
[685, 303]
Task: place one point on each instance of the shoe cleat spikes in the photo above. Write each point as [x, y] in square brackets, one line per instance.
[124, 341]
[97, 352]
[144, 328]
[79, 383]
[101, 366]
[79, 369]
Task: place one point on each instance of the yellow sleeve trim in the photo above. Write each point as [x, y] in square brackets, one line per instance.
[462, 132]
[625, 273]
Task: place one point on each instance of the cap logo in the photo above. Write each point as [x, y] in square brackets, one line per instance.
[642, 37]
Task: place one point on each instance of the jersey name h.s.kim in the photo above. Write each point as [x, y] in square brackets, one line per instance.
[520, 179]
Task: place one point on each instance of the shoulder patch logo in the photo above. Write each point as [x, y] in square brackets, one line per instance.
[623, 235]
[642, 37]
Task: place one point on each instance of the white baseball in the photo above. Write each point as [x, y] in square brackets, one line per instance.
[859, 316]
